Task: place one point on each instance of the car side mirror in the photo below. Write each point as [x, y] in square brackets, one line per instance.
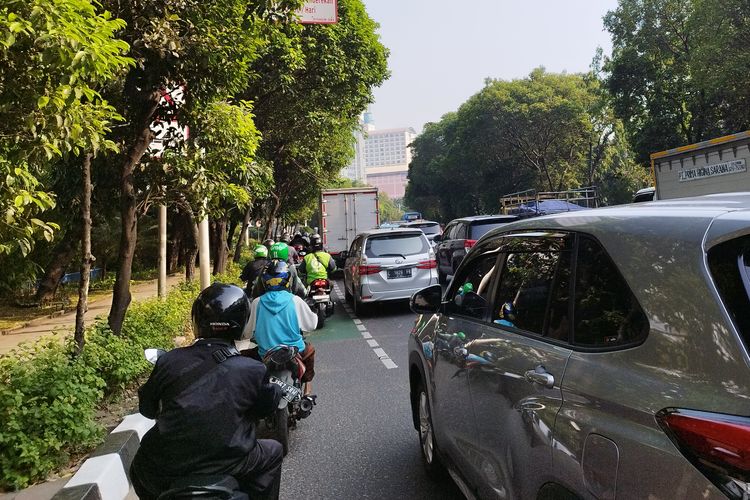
[437, 238]
[428, 300]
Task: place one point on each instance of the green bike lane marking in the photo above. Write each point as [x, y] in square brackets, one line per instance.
[339, 326]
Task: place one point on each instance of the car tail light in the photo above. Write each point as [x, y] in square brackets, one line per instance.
[717, 444]
[369, 269]
[427, 264]
[469, 243]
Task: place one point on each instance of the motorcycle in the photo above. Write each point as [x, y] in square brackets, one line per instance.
[286, 370]
[319, 300]
[220, 486]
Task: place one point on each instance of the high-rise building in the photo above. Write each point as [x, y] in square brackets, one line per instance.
[381, 157]
[387, 158]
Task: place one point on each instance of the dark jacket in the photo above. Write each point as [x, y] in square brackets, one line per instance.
[209, 427]
[252, 270]
[295, 285]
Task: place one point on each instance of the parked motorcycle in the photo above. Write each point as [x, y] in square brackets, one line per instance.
[220, 486]
[319, 300]
[286, 369]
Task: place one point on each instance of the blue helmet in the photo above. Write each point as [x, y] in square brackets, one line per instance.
[508, 312]
[276, 276]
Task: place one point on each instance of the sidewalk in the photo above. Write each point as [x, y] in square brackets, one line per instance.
[44, 326]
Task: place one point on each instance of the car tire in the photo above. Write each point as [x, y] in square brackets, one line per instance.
[347, 296]
[427, 446]
[360, 308]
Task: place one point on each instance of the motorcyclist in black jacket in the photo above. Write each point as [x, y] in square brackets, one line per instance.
[205, 399]
[254, 268]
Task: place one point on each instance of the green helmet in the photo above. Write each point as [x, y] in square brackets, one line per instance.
[279, 251]
[260, 252]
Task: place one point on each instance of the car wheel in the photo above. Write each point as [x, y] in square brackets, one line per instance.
[359, 307]
[347, 296]
[427, 435]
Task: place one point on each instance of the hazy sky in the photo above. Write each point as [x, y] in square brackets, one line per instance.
[442, 50]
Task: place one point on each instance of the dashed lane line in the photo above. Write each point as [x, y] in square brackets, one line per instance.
[379, 352]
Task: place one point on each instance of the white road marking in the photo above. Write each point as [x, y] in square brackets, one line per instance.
[380, 353]
[361, 328]
[388, 362]
[357, 321]
[373, 343]
[366, 335]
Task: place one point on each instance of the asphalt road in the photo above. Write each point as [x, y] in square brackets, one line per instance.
[360, 442]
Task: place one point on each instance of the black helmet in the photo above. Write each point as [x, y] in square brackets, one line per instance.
[221, 311]
[267, 243]
[316, 242]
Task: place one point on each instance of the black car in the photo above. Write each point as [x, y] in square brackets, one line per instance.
[459, 236]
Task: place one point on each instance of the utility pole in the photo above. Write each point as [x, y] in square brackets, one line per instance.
[204, 259]
[162, 289]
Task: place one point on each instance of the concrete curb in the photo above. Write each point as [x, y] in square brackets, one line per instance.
[105, 475]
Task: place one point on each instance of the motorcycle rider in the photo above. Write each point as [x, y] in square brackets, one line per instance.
[255, 267]
[300, 240]
[318, 263]
[278, 317]
[293, 257]
[204, 399]
[280, 251]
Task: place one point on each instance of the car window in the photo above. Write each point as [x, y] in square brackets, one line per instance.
[729, 263]
[606, 311]
[525, 290]
[427, 228]
[396, 245]
[460, 232]
[470, 293]
[479, 229]
[449, 230]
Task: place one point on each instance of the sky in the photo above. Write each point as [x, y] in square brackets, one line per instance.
[441, 51]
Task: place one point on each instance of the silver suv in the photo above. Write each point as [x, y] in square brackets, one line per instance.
[388, 264]
[593, 355]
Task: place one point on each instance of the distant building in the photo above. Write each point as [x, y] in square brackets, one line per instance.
[387, 158]
[381, 157]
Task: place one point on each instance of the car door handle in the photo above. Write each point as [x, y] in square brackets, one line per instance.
[540, 376]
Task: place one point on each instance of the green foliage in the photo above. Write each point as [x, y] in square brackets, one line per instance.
[388, 209]
[48, 398]
[548, 131]
[678, 71]
[54, 54]
[311, 85]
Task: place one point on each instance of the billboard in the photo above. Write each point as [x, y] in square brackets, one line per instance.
[319, 12]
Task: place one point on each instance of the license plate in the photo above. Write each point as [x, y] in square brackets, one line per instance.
[399, 273]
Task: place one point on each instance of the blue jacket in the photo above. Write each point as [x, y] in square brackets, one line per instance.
[277, 322]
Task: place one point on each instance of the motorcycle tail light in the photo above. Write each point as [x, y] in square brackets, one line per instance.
[718, 445]
[427, 264]
[369, 269]
[469, 243]
[320, 283]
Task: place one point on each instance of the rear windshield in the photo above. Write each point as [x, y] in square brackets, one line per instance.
[396, 245]
[730, 267]
[479, 229]
[427, 228]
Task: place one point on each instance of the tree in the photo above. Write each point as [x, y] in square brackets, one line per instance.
[650, 75]
[311, 86]
[54, 55]
[206, 46]
[549, 132]
[388, 210]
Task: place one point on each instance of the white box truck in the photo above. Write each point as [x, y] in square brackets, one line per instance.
[714, 166]
[344, 213]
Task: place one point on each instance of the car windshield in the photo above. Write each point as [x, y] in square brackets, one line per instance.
[479, 229]
[427, 228]
[396, 245]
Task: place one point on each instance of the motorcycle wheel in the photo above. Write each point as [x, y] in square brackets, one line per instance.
[281, 428]
[321, 315]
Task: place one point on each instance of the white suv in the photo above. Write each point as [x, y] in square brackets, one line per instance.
[388, 264]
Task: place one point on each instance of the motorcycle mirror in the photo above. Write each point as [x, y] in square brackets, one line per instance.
[152, 355]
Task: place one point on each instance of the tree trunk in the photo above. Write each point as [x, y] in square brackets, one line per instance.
[243, 234]
[129, 218]
[230, 232]
[87, 258]
[271, 216]
[174, 242]
[220, 244]
[189, 230]
[64, 252]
